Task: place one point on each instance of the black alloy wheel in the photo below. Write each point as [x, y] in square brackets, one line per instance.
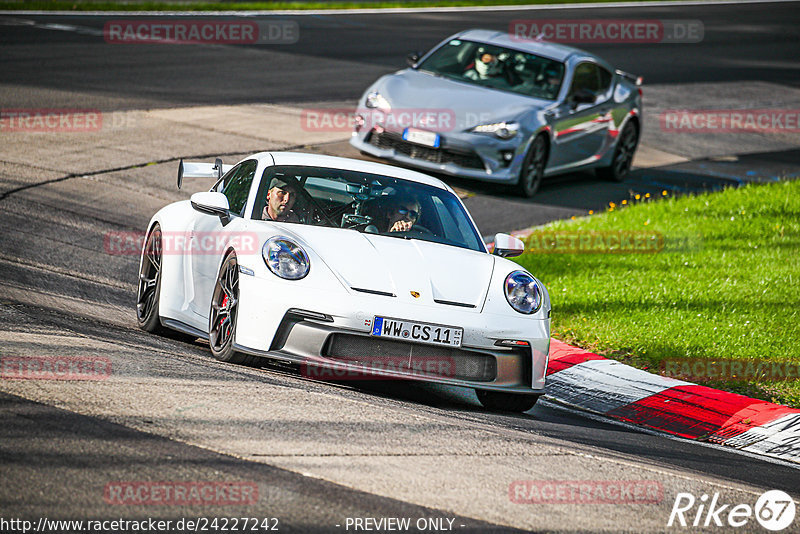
[147, 296]
[532, 173]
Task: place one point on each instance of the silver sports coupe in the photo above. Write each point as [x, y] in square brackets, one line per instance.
[489, 106]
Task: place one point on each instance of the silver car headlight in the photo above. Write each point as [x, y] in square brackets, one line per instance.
[376, 101]
[285, 258]
[523, 292]
[503, 130]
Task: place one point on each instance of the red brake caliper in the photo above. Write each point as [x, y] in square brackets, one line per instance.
[224, 304]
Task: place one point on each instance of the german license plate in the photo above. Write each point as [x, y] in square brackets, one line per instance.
[421, 137]
[434, 334]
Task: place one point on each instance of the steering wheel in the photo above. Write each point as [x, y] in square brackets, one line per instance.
[418, 229]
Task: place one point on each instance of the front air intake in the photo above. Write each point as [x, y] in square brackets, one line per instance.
[411, 358]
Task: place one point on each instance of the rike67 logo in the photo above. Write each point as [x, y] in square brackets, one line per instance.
[774, 510]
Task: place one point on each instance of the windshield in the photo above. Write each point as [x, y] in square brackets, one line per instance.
[496, 67]
[367, 203]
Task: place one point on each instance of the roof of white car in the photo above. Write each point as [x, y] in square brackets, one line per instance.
[333, 162]
[540, 48]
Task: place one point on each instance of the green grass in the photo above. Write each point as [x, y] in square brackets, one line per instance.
[726, 285]
[192, 5]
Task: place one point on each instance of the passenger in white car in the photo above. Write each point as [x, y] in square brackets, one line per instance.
[402, 213]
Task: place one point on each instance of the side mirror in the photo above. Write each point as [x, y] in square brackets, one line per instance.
[582, 96]
[412, 59]
[507, 246]
[212, 203]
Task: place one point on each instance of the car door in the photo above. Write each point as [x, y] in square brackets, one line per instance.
[209, 236]
[581, 126]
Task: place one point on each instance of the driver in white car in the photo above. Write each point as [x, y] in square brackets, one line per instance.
[281, 196]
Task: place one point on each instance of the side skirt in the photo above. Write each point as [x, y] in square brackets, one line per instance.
[183, 327]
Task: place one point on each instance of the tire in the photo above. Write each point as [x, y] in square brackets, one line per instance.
[222, 316]
[532, 172]
[148, 294]
[620, 167]
[506, 402]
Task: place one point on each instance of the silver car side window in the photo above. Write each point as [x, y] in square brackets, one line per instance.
[592, 77]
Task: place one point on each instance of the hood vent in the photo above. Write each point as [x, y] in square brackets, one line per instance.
[451, 303]
[373, 292]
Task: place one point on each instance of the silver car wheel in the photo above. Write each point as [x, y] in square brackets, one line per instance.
[623, 155]
[533, 168]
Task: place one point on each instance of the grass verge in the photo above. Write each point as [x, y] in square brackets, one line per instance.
[725, 287]
[192, 5]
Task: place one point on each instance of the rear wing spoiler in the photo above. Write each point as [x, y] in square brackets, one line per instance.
[637, 80]
[190, 169]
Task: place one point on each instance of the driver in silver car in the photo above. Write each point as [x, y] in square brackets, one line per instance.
[487, 65]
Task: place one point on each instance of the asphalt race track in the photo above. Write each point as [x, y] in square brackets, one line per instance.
[338, 55]
[319, 452]
[747, 58]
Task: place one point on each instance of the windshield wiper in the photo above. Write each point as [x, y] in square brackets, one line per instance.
[397, 235]
[437, 74]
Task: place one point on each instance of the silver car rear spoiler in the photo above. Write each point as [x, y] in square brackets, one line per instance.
[190, 169]
[637, 80]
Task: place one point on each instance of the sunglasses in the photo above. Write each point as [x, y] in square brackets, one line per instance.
[412, 214]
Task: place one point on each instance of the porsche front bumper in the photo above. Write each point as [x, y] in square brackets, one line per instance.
[336, 335]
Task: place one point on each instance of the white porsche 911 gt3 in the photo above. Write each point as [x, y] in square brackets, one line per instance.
[345, 265]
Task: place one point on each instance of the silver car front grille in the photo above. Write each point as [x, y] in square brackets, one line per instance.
[388, 140]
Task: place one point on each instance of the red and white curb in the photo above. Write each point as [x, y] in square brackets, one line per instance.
[584, 380]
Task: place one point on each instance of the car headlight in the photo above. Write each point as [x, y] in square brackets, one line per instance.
[285, 258]
[523, 292]
[503, 130]
[376, 100]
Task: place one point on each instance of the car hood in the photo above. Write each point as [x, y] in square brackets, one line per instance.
[469, 105]
[380, 264]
